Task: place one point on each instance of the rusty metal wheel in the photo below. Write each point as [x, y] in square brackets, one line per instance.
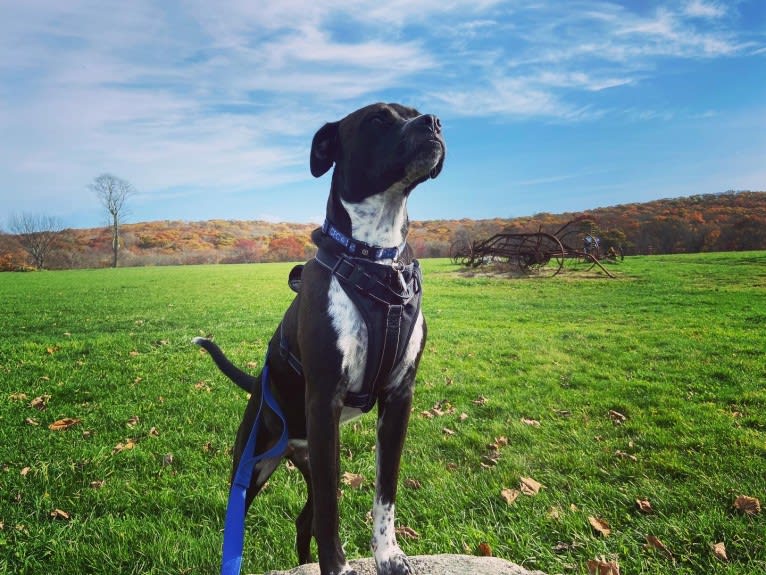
[459, 250]
[541, 255]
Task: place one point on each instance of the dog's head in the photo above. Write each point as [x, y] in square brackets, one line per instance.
[376, 148]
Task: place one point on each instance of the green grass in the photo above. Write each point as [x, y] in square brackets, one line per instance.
[676, 344]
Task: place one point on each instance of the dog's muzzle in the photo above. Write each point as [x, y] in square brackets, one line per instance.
[425, 145]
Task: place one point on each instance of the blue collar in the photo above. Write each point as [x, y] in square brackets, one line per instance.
[359, 249]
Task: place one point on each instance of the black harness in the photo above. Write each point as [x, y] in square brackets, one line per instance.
[386, 295]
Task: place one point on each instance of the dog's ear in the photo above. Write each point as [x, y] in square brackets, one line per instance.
[324, 149]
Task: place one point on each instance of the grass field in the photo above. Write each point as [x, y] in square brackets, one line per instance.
[518, 380]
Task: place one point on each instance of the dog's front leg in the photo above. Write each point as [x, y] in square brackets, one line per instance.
[323, 420]
[393, 416]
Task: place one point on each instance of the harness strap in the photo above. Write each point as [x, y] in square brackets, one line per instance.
[234, 528]
[286, 354]
[365, 399]
[355, 274]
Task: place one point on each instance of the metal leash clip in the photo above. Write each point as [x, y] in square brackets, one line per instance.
[398, 267]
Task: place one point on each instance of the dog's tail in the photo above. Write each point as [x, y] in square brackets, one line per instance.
[241, 378]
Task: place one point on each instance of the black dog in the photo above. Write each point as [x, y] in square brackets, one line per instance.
[354, 334]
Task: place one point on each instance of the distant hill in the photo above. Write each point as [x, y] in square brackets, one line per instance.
[714, 222]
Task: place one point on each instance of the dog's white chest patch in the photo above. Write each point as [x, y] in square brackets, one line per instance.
[379, 220]
[352, 335]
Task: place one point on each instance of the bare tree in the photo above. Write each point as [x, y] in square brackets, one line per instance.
[36, 233]
[113, 192]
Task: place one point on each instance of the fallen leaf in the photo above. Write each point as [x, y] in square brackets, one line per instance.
[133, 421]
[97, 484]
[447, 431]
[562, 547]
[18, 397]
[555, 512]
[747, 505]
[353, 480]
[52, 350]
[443, 407]
[488, 461]
[167, 459]
[719, 550]
[129, 444]
[501, 441]
[510, 495]
[59, 514]
[463, 416]
[62, 424]
[30, 421]
[407, 532]
[617, 417]
[412, 483]
[529, 486]
[653, 542]
[530, 422]
[601, 526]
[153, 432]
[624, 455]
[202, 386]
[40, 402]
[481, 400]
[25, 470]
[485, 550]
[252, 365]
[451, 466]
[427, 414]
[644, 506]
[134, 353]
[601, 566]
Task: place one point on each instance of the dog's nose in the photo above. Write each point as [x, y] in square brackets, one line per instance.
[437, 124]
[429, 122]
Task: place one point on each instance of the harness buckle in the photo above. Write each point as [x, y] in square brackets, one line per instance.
[336, 268]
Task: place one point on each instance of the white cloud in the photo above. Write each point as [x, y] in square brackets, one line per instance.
[702, 9]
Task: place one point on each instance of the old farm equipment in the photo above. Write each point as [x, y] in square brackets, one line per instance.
[538, 253]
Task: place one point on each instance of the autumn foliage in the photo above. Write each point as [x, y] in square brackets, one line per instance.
[730, 221]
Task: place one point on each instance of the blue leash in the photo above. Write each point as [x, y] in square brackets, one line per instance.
[234, 528]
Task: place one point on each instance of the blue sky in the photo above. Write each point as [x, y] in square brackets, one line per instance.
[208, 108]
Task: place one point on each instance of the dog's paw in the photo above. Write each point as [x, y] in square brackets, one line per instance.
[395, 564]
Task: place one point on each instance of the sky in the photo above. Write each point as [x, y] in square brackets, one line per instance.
[208, 108]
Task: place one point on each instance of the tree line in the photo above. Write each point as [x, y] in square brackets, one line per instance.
[713, 222]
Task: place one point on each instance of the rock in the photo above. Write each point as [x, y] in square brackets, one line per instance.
[431, 565]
